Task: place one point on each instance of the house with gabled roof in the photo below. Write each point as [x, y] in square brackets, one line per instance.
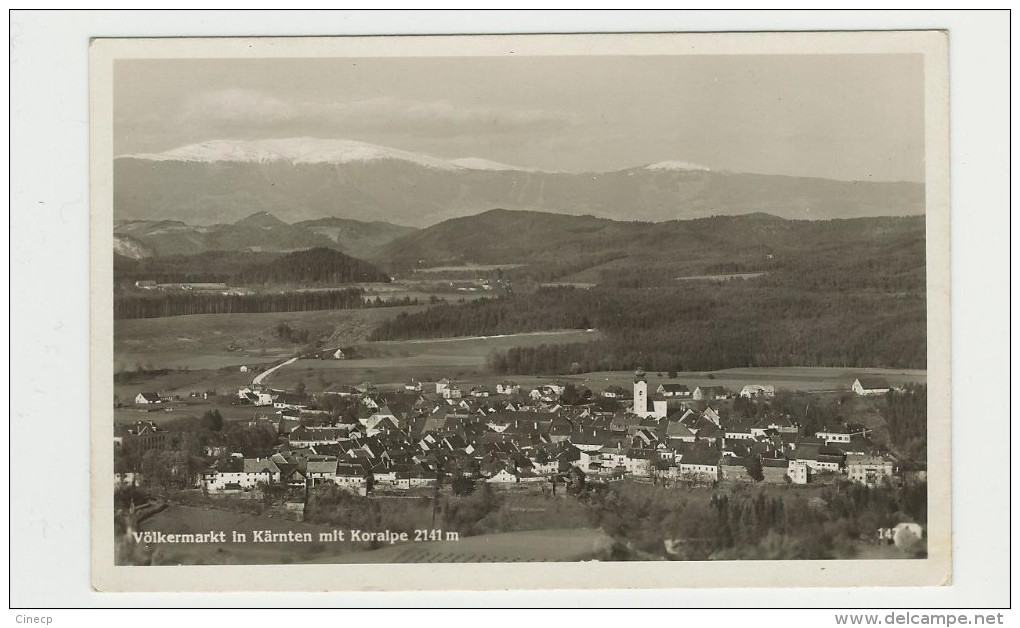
[706, 393]
[247, 474]
[638, 462]
[870, 386]
[739, 430]
[673, 391]
[678, 432]
[833, 435]
[699, 462]
[819, 457]
[351, 476]
[146, 398]
[321, 471]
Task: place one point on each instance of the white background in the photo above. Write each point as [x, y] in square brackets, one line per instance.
[49, 261]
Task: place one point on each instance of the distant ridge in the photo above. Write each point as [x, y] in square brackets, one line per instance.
[576, 243]
[258, 232]
[261, 220]
[304, 179]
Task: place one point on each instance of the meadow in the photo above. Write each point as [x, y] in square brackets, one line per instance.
[804, 379]
[397, 361]
[212, 341]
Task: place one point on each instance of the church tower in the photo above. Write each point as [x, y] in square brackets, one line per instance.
[640, 393]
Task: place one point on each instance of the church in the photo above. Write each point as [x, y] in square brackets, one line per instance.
[641, 401]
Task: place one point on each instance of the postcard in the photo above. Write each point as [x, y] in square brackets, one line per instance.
[517, 312]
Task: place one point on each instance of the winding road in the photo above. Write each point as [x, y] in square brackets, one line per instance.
[266, 373]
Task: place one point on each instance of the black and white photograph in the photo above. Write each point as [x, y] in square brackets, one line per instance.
[668, 299]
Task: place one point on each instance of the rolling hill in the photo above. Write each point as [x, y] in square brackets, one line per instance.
[261, 231]
[586, 248]
[303, 179]
[307, 267]
[354, 237]
[314, 266]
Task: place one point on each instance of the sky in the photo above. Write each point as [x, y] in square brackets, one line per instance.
[848, 117]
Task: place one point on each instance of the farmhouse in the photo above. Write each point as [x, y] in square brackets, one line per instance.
[754, 391]
[146, 398]
[870, 386]
[673, 390]
[256, 397]
[706, 393]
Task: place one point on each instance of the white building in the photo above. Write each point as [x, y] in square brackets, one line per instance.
[252, 471]
[641, 406]
[870, 386]
[868, 470]
[798, 472]
[752, 391]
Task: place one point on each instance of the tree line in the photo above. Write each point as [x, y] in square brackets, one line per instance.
[173, 303]
[906, 415]
[700, 326]
[752, 524]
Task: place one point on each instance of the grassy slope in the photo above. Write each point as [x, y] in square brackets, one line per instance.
[203, 340]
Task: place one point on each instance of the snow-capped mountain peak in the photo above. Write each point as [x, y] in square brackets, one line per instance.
[301, 150]
[477, 163]
[676, 165]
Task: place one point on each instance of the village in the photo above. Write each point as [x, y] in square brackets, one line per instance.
[425, 436]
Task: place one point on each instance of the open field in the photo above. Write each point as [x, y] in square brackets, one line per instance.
[184, 412]
[808, 379]
[396, 361]
[211, 341]
[725, 277]
[505, 547]
[182, 383]
[467, 268]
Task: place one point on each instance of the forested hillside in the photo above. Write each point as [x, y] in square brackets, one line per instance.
[318, 265]
[828, 293]
[313, 266]
[159, 304]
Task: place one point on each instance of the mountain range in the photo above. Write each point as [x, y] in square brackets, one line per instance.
[305, 179]
[550, 247]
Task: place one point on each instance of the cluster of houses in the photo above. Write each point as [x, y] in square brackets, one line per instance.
[424, 434]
